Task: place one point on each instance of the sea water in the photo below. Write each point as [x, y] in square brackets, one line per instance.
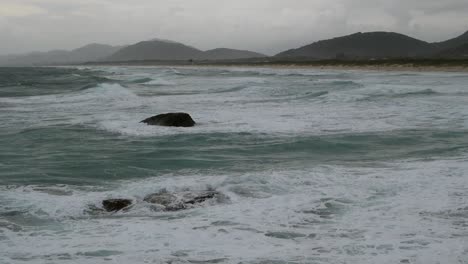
[319, 166]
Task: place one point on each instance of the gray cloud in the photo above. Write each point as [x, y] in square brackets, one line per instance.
[263, 25]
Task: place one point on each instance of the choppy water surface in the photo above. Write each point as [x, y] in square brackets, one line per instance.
[318, 166]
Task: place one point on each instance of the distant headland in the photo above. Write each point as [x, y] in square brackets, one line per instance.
[385, 49]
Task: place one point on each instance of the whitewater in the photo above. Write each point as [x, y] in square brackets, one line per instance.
[317, 166]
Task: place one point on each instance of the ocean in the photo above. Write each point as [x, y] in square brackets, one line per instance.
[316, 166]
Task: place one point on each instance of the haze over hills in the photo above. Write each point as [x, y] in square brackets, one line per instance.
[370, 45]
[91, 52]
[157, 49]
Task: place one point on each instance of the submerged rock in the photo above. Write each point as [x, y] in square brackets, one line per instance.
[170, 119]
[284, 235]
[202, 197]
[162, 198]
[183, 200]
[165, 201]
[114, 205]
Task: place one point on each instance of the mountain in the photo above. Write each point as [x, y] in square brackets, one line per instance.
[229, 54]
[453, 43]
[91, 52]
[363, 45]
[370, 45]
[155, 50]
[159, 49]
[460, 52]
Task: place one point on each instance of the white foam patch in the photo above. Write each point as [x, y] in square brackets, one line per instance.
[274, 103]
[368, 215]
[413, 211]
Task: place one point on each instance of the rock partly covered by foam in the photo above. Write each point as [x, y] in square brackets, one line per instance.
[170, 119]
[162, 198]
[183, 200]
[114, 205]
[166, 201]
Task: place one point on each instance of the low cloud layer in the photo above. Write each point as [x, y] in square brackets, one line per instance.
[267, 26]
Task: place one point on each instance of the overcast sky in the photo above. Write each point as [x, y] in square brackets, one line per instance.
[267, 26]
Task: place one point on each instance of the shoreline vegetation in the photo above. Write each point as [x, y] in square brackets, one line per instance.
[423, 65]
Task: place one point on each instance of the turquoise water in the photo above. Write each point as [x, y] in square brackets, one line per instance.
[320, 166]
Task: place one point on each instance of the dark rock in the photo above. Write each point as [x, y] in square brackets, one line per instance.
[208, 261]
[202, 197]
[176, 207]
[114, 205]
[170, 119]
[182, 200]
[284, 235]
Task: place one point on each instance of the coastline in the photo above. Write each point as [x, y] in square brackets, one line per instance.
[460, 66]
[393, 68]
[389, 68]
